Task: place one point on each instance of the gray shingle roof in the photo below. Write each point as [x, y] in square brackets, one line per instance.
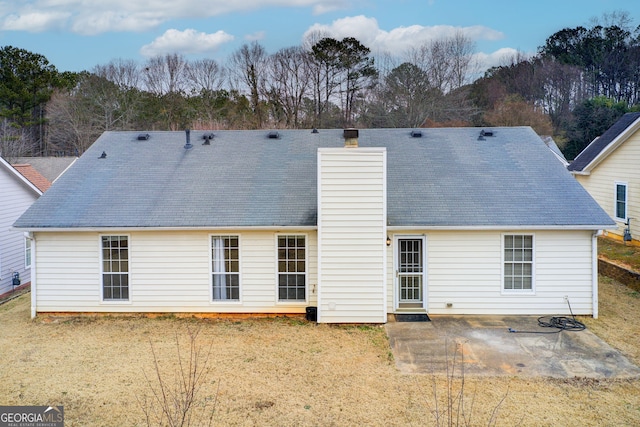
[447, 178]
[597, 145]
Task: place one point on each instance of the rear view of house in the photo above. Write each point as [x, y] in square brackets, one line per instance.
[360, 224]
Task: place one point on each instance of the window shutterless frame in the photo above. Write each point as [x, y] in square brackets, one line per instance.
[518, 264]
[291, 268]
[225, 269]
[114, 268]
[621, 200]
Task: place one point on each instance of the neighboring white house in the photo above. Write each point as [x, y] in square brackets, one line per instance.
[17, 193]
[439, 221]
[609, 169]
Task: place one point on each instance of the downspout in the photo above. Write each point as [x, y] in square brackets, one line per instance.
[594, 272]
[33, 275]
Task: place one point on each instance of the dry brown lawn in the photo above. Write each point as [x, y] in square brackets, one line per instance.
[283, 372]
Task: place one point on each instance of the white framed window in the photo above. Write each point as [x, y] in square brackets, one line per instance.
[518, 263]
[621, 201]
[115, 268]
[292, 267]
[27, 252]
[225, 268]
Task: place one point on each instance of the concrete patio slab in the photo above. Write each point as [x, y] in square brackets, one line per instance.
[487, 348]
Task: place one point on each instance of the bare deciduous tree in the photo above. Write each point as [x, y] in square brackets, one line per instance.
[205, 75]
[125, 73]
[165, 74]
[248, 67]
[288, 83]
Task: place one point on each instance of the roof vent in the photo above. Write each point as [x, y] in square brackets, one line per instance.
[314, 130]
[416, 134]
[143, 136]
[484, 133]
[188, 145]
[103, 155]
[207, 138]
[273, 135]
[350, 137]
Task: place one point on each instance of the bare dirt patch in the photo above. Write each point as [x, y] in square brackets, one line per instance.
[290, 373]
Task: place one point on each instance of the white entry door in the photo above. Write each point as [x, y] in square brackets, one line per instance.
[410, 272]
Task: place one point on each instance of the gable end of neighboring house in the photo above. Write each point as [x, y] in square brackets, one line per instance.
[17, 194]
[609, 169]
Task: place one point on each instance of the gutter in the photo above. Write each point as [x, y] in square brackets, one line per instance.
[594, 273]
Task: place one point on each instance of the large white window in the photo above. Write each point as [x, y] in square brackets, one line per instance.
[518, 262]
[225, 268]
[621, 201]
[115, 268]
[292, 268]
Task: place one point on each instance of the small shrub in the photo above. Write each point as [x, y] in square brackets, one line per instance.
[180, 400]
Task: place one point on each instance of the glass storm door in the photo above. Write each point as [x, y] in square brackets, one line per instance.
[410, 272]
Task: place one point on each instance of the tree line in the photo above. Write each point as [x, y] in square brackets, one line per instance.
[579, 83]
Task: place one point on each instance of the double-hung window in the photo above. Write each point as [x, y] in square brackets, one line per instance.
[225, 268]
[115, 268]
[621, 201]
[292, 268]
[518, 263]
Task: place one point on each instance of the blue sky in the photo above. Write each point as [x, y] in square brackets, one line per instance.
[76, 35]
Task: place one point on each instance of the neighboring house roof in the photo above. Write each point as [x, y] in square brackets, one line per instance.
[548, 140]
[33, 176]
[606, 143]
[448, 178]
[19, 177]
[49, 167]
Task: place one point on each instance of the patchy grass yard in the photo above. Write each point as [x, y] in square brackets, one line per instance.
[619, 252]
[278, 372]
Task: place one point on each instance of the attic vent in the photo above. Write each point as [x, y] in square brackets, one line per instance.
[273, 135]
[207, 138]
[314, 130]
[416, 134]
[143, 137]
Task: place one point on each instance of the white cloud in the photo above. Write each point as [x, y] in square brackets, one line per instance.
[34, 21]
[186, 42]
[91, 17]
[500, 57]
[399, 39]
[258, 35]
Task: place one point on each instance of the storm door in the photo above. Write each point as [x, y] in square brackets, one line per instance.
[410, 271]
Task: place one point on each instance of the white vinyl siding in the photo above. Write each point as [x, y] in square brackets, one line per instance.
[16, 197]
[352, 235]
[169, 271]
[621, 166]
[465, 270]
